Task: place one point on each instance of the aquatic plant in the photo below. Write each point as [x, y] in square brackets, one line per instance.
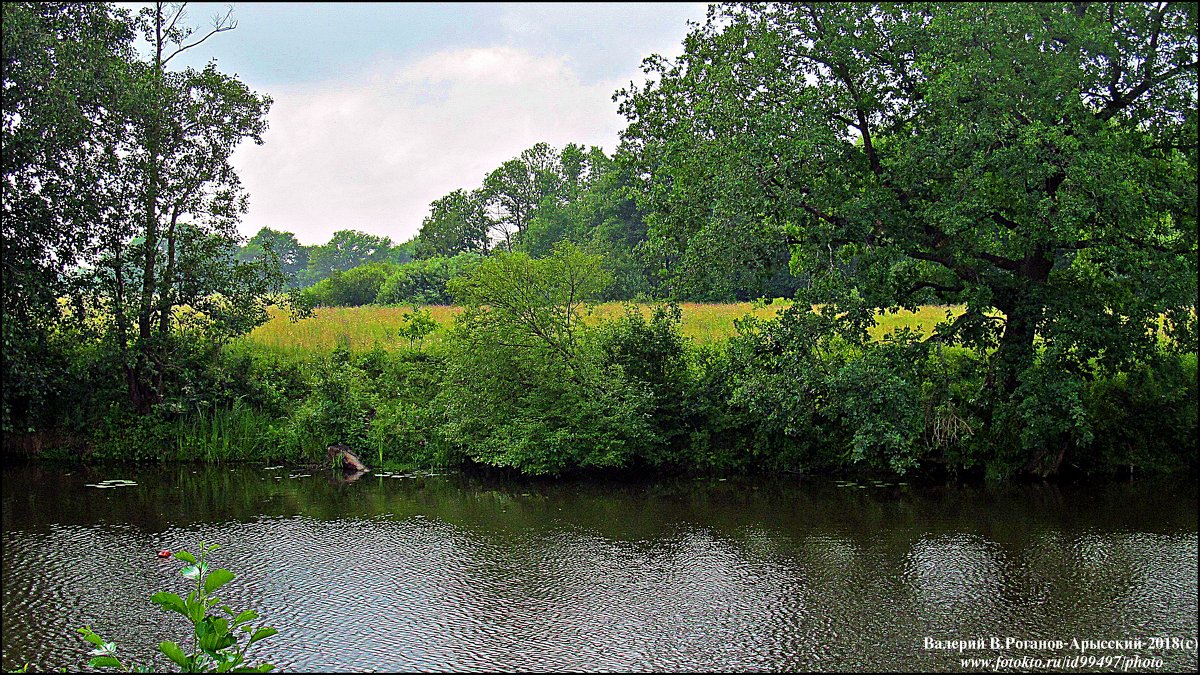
[218, 645]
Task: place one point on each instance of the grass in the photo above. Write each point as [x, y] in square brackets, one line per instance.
[362, 328]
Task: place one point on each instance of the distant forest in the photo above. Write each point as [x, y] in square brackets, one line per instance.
[528, 204]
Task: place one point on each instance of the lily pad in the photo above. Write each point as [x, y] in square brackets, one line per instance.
[111, 483]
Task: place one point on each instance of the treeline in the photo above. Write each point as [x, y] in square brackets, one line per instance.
[528, 204]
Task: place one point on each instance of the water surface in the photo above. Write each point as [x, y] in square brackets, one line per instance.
[458, 572]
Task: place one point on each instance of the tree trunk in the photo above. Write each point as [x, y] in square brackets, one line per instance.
[141, 392]
[1016, 350]
[1023, 308]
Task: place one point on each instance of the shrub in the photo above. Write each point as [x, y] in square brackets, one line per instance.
[423, 282]
[653, 353]
[354, 287]
[527, 384]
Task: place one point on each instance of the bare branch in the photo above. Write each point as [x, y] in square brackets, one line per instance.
[219, 26]
[178, 14]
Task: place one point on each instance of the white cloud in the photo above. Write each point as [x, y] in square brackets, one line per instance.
[371, 152]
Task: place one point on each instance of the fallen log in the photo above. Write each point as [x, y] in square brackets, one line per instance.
[348, 461]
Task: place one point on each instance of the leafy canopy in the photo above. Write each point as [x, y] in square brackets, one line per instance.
[1038, 159]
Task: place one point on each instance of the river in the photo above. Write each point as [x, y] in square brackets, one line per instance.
[450, 571]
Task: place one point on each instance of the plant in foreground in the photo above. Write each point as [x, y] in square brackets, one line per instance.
[218, 645]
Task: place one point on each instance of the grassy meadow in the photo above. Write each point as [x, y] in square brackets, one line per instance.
[362, 328]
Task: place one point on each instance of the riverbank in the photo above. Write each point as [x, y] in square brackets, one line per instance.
[638, 394]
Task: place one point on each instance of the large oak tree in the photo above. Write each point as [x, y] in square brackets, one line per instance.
[1033, 161]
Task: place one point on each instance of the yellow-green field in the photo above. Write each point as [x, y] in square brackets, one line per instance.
[365, 327]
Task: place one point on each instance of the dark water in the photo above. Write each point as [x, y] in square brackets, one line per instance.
[450, 572]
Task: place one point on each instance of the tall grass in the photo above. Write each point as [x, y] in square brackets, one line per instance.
[363, 328]
[237, 433]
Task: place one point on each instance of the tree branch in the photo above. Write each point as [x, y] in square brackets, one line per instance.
[1123, 101]
[1001, 220]
[219, 27]
[999, 261]
[941, 288]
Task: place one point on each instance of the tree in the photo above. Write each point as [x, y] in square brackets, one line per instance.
[1035, 162]
[599, 214]
[355, 287]
[527, 384]
[457, 223]
[62, 65]
[291, 254]
[515, 189]
[137, 172]
[424, 281]
[183, 126]
[346, 249]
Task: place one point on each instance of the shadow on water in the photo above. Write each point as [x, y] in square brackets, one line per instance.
[446, 571]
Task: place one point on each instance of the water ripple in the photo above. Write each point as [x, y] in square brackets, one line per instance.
[436, 574]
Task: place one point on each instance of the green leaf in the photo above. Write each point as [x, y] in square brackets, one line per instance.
[227, 660]
[185, 556]
[261, 633]
[174, 653]
[194, 571]
[104, 662]
[91, 636]
[170, 601]
[248, 615]
[217, 579]
[195, 612]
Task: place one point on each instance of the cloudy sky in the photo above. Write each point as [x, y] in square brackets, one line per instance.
[382, 108]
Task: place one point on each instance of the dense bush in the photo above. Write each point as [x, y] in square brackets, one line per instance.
[354, 287]
[424, 281]
[820, 400]
[527, 384]
[1145, 418]
[653, 354]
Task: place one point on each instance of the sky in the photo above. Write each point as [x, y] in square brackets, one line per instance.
[381, 108]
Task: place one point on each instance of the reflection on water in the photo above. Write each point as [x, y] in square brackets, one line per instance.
[454, 572]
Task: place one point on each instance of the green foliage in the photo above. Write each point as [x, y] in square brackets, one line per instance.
[218, 629]
[354, 287]
[527, 385]
[823, 398]
[424, 281]
[280, 247]
[416, 326]
[119, 194]
[518, 186]
[62, 69]
[1055, 197]
[457, 223]
[1145, 418]
[653, 353]
[339, 408]
[345, 250]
